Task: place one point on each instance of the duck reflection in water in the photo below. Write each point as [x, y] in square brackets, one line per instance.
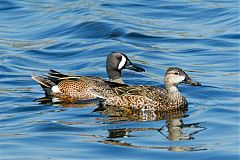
[77, 104]
[173, 130]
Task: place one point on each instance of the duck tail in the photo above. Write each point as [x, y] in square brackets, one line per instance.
[45, 84]
[55, 74]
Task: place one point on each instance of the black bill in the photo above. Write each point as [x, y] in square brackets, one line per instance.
[188, 80]
[134, 67]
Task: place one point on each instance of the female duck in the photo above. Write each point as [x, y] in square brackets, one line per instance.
[149, 97]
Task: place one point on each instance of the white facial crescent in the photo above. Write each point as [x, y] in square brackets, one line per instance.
[122, 63]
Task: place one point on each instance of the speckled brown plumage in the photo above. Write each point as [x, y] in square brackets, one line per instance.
[73, 88]
[79, 88]
[149, 97]
[141, 97]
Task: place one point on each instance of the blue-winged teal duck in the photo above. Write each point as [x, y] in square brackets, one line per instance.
[149, 97]
[74, 88]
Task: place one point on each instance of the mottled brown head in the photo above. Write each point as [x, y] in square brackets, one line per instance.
[175, 76]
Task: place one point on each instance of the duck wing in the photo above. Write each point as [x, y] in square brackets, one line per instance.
[151, 92]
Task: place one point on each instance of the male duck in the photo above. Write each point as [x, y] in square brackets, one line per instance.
[149, 97]
[75, 88]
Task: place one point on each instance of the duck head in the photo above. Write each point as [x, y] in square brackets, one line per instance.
[175, 76]
[116, 61]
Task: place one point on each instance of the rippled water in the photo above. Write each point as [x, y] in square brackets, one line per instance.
[201, 36]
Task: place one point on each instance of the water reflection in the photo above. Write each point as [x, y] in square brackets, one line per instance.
[79, 104]
[173, 130]
[121, 113]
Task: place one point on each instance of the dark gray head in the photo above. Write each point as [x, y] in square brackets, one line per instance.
[175, 76]
[116, 61]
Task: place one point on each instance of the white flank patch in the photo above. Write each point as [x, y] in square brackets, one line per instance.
[55, 100]
[122, 63]
[55, 89]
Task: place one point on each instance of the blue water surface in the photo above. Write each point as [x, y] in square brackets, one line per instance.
[75, 36]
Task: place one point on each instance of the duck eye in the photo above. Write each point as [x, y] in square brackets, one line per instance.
[176, 73]
[119, 58]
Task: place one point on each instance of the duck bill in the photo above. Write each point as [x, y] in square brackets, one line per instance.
[188, 80]
[134, 67]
